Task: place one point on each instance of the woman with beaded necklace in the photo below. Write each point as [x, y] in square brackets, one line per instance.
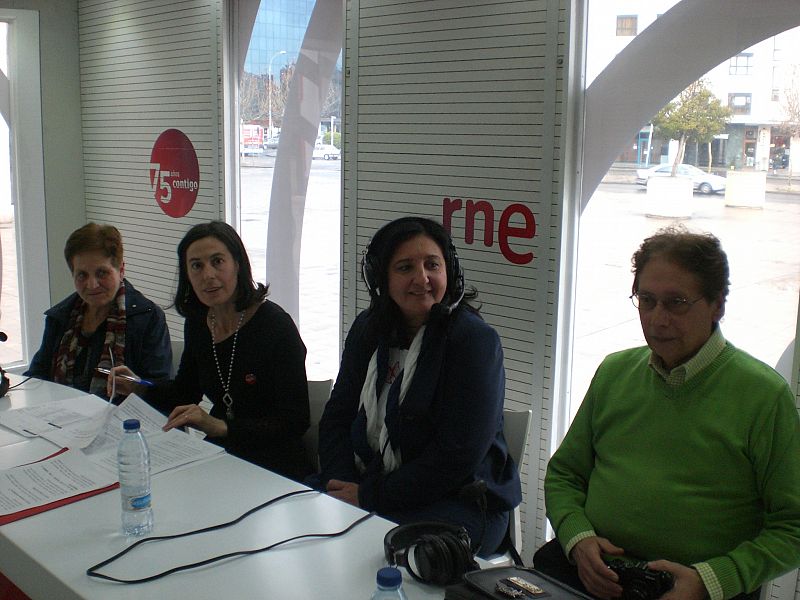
[241, 350]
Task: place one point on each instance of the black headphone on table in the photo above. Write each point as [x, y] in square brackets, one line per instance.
[372, 267]
[432, 552]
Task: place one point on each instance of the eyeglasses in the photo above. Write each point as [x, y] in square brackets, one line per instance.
[675, 305]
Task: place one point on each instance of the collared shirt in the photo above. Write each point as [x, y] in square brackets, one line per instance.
[714, 345]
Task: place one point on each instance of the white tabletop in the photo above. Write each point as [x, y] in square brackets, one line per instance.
[47, 555]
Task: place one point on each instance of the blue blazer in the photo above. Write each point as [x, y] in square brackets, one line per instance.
[148, 351]
[451, 420]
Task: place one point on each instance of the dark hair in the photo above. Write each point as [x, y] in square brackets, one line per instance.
[247, 291]
[698, 253]
[92, 237]
[386, 318]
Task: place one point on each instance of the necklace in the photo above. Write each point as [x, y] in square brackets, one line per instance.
[227, 400]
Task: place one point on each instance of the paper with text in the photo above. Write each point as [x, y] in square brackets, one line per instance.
[168, 449]
[54, 417]
[62, 476]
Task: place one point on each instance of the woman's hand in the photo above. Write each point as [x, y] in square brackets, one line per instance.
[346, 491]
[594, 573]
[193, 416]
[688, 584]
[124, 386]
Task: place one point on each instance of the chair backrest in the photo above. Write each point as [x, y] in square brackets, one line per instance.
[516, 425]
[318, 394]
[784, 364]
[177, 352]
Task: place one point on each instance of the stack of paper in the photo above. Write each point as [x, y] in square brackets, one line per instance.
[87, 464]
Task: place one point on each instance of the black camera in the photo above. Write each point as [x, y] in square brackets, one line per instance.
[640, 583]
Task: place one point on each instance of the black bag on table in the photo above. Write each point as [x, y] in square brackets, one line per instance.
[508, 583]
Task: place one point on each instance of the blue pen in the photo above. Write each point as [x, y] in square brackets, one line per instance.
[146, 382]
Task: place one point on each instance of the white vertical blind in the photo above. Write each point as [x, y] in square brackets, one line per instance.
[148, 66]
[452, 103]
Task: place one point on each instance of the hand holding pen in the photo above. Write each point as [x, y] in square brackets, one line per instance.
[122, 381]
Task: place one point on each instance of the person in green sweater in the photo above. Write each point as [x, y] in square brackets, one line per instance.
[685, 453]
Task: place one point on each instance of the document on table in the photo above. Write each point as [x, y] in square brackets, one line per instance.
[77, 420]
[60, 479]
[73, 474]
[96, 428]
[168, 449]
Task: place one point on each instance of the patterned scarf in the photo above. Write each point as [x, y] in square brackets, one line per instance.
[64, 359]
[368, 423]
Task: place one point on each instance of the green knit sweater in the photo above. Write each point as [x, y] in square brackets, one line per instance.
[704, 472]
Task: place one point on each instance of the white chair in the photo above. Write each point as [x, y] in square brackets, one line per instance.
[516, 426]
[177, 352]
[318, 394]
[784, 364]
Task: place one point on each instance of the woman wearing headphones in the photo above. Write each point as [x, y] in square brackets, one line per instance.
[413, 428]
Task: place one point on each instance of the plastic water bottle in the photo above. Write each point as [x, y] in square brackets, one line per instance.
[390, 585]
[133, 459]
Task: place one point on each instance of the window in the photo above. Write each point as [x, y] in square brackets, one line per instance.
[740, 103]
[627, 25]
[271, 217]
[740, 64]
[776, 88]
[603, 322]
[777, 50]
[24, 291]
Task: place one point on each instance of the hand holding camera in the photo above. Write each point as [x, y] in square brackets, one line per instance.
[640, 583]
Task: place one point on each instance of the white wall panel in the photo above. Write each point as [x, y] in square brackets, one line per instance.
[461, 100]
[147, 66]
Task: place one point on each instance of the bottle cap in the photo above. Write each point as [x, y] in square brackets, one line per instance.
[389, 577]
[130, 424]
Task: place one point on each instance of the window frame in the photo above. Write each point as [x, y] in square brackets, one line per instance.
[27, 179]
[738, 67]
[627, 25]
[739, 109]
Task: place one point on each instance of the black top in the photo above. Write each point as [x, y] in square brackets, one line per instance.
[268, 387]
[450, 422]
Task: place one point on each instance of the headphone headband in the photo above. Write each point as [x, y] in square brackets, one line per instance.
[442, 552]
[372, 267]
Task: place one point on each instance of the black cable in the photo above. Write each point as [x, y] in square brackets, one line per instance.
[19, 384]
[92, 571]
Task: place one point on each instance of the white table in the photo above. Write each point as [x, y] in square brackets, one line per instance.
[47, 555]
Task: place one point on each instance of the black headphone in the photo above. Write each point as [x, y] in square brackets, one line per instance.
[440, 552]
[371, 267]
